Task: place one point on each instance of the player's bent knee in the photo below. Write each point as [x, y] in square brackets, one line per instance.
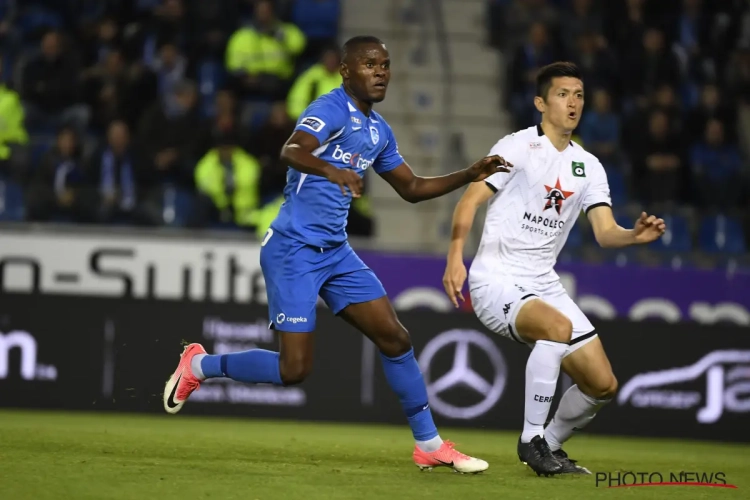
[609, 390]
[604, 388]
[558, 330]
[294, 372]
[538, 321]
[395, 343]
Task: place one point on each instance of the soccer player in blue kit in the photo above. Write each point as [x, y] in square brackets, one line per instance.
[305, 252]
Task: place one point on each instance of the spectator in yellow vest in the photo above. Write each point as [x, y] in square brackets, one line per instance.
[261, 57]
[228, 181]
[316, 81]
[13, 136]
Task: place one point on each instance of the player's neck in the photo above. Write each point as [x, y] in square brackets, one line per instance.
[363, 106]
[560, 139]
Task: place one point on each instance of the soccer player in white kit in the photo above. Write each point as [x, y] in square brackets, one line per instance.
[514, 289]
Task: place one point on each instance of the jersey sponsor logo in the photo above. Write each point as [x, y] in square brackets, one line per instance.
[356, 120]
[375, 135]
[543, 221]
[556, 195]
[353, 159]
[313, 123]
[542, 225]
[716, 383]
[579, 169]
[535, 145]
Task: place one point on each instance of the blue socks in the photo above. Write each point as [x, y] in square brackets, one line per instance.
[406, 380]
[256, 366]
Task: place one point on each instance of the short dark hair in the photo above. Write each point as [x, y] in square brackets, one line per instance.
[354, 44]
[554, 70]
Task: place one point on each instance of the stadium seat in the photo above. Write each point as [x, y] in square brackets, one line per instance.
[677, 237]
[11, 201]
[689, 94]
[40, 144]
[624, 218]
[211, 78]
[36, 19]
[617, 186]
[255, 114]
[177, 206]
[721, 234]
[575, 237]
[8, 64]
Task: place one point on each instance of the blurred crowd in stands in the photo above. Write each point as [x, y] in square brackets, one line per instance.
[667, 87]
[173, 112]
[157, 112]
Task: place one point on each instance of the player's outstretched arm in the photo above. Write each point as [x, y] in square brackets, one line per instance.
[414, 189]
[297, 153]
[609, 234]
[463, 218]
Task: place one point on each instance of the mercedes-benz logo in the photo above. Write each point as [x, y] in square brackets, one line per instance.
[461, 373]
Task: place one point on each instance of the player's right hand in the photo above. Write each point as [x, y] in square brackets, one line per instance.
[346, 178]
[454, 279]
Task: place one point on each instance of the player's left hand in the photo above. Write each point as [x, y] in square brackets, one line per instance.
[488, 166]
[648, 228]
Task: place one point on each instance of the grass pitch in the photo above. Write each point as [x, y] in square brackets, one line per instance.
[77, 456]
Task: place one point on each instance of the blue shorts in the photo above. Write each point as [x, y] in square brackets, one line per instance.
[296, 274]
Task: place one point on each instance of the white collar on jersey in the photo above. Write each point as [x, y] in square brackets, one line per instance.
[539, 131]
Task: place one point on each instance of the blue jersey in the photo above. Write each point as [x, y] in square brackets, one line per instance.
[314, 210]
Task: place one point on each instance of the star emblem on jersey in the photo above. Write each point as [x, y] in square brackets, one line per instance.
[556, 196]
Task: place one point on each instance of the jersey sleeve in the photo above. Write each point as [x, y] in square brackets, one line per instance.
[323, 119]
[508, 149]
[389, 158]
[597, 192]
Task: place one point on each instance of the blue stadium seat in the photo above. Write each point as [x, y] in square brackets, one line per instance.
[12, 207]
[623, 218]
[211, 77]
[177, 208]
[9, 62]
[575, 237]
[617, 186]
[36, 18]
[721, 234]
[255, 114]
[40, 144]
[689, 94]
[677, 238]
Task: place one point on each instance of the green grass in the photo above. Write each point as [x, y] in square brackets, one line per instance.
[108, 456]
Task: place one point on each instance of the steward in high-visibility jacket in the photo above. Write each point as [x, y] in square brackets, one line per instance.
[12, 129]
[314, 82]
[231, 178]
[272, 50]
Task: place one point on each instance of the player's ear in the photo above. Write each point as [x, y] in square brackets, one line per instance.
[344, 70]
[540, 104]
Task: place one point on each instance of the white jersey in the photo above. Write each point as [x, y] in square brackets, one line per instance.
[534, 208]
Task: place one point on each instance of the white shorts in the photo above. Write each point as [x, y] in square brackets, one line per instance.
[497, 305]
